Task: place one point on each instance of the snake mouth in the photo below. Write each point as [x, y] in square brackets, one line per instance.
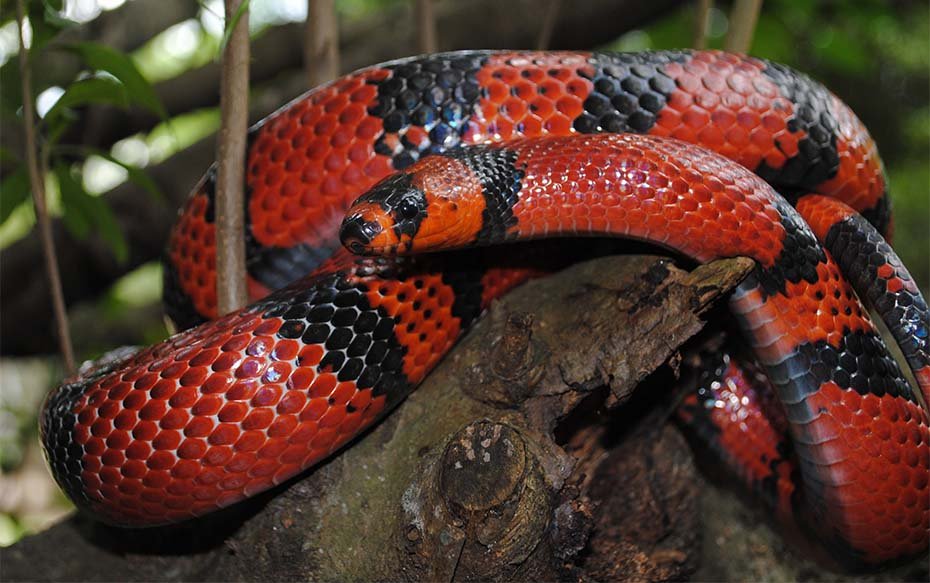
[357, 234]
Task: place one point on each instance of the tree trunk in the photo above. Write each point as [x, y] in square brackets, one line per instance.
[504, 465]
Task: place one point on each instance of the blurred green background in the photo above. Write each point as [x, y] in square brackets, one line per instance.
[875, 54]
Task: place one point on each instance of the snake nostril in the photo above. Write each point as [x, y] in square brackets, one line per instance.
[356, 233]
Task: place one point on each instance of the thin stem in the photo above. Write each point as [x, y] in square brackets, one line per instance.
[37, 185]
[743, 18]
[548, 25]
[426, 27]
[701, 23]
[231, 292]
[321, 49]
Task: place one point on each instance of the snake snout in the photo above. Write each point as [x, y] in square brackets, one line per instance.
[357, 233]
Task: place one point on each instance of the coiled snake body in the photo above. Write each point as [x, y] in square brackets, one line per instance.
[231, 407]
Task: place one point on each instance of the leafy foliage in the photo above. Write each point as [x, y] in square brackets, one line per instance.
[15, 189]
[110, 78]
[84, 213]
[103, 58]
[87, 91]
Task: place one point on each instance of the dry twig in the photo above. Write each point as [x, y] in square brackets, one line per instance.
[37, 185]
[743, 19]
[321, 48]
[230, 196]
[426, 27]
[549, 21]
[701, 23]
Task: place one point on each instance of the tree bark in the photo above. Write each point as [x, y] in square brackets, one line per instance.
[743, 18]
[88, 267]
[506, 464]
[426, 26]
[702, 10]
[231, 292]
[321, 45]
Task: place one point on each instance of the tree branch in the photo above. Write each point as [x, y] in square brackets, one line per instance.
[426, 26]
[493, 469]
[551, 17]
[513, 461]
[743, 17]
[321, 47]
[701, 22]
[231, 290]
[37, 185]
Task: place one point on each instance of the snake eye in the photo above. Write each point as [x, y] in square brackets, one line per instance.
[408, 208]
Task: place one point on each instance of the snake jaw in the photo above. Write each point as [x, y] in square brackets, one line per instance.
[357, 233]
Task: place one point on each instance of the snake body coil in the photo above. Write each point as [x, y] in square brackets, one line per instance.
[231, 407]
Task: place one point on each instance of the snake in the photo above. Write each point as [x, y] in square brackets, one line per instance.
[702, 152]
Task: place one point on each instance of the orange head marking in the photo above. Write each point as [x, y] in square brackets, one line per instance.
[435, 204]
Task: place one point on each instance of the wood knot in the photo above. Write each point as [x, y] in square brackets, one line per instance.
[482, 468]
[516, 363]
[493, 495]
[513, 353]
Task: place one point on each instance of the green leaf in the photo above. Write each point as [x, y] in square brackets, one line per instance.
[110, 230]
[842, 52]
[7, 155]
[11, 92]
[90, 90]
[77, 211]
[82, 213]
[46, 23]
[135, 174]
[14, 190]
[103, 58]
[53, 10]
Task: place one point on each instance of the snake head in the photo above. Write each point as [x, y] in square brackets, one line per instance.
[386, 219]
[434, 205]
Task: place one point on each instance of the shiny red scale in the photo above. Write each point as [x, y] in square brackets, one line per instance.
[790, 321]
[310, 160]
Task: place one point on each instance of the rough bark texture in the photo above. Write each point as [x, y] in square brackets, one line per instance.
[321, 44]
[231, 292]
[525, 455]
[426, 26]
[88, 267]
[515, 460]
